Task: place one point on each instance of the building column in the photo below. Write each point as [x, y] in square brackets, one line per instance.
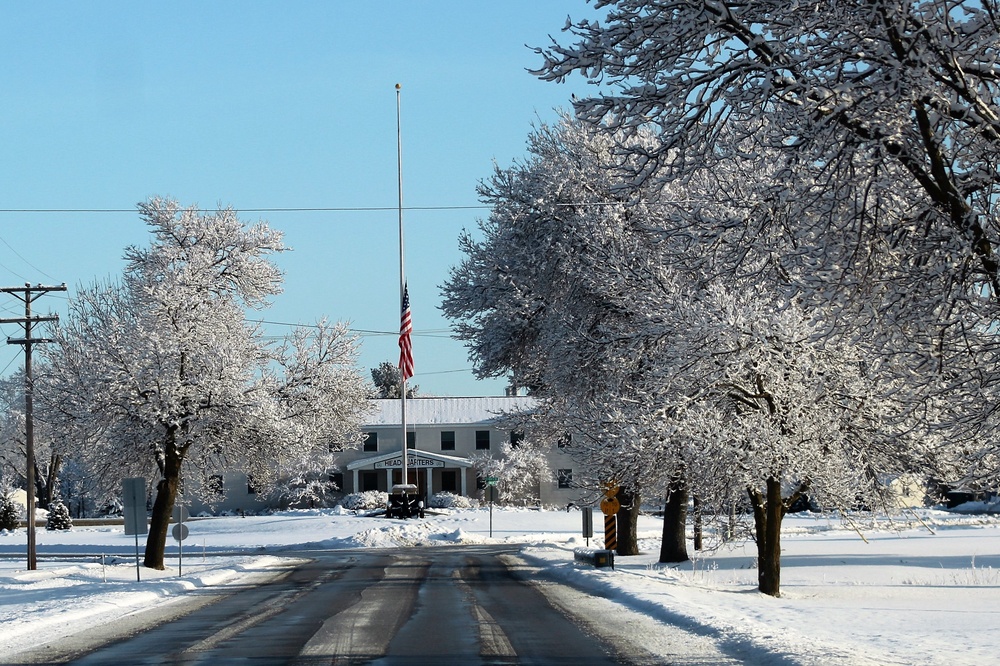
[464, 473]
[354, 479]
[430, 485]
[388, 479]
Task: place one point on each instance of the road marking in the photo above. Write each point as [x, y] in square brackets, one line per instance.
[493, 641]
[367, 627]
[276, 605]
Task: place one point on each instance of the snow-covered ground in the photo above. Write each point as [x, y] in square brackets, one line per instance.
[924, 589]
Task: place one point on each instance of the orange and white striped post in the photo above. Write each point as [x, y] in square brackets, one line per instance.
[609, 507]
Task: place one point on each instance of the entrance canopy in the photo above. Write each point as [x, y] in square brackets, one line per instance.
[414, 460]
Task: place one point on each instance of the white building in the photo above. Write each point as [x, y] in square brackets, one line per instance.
[442, 435]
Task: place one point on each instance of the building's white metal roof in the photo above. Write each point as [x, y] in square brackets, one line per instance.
[449, 411]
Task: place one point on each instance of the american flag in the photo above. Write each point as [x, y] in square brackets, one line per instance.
[405, 345]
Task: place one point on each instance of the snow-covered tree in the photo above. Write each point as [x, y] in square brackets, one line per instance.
[85, 493]
[162, 372]
[59, 518]
[781, 409]
[307, 482]
[524, 299]
[385, 378]
[10, 514]
[12, 426]
[614, 299]
[13, 453]
[548, 295]
[519, 469]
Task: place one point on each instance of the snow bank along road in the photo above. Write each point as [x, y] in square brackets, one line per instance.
[448, 605]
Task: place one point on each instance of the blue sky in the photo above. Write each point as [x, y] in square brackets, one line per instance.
[263, 105]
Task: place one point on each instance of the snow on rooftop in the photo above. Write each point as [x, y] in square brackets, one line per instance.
[449, 411]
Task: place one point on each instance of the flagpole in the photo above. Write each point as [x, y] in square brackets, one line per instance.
[402, 281]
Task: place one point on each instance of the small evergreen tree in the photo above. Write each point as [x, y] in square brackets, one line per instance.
[58, 516]
[385, 377]
[9, 515]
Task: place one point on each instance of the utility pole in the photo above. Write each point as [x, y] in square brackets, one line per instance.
[27, 293]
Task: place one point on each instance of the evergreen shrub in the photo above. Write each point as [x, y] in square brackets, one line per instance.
[9, 513]
[58, 516]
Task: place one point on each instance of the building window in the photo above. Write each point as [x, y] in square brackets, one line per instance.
[371, 441]
[337, 479]
[482, 439]
[215, 484]
[449, 481]
[516, 436]
[564, 477]
[448, 440]
[411, 440]
[251, 485]
[565, 441]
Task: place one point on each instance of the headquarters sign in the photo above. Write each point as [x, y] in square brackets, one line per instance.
[413, 461]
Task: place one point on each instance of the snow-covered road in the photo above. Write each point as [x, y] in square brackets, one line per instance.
[904, 594]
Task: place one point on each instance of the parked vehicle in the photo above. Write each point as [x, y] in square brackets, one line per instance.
[404, 502]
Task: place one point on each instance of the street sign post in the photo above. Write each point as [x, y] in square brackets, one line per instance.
[134, 504]
[491, 496]
[180, 533]
[134, 507]
[609, 507]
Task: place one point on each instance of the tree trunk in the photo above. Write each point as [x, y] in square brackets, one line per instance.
[45, 481]
[163, 507]
[731, 525]
[41, 490]
[698, 540]
[673, 544]
[768, 511]
[628, 523]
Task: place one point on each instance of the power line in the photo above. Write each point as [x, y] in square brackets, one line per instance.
[353, 209]
[10, 363]
[18, 254]
[442, 372]
[426, 333]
